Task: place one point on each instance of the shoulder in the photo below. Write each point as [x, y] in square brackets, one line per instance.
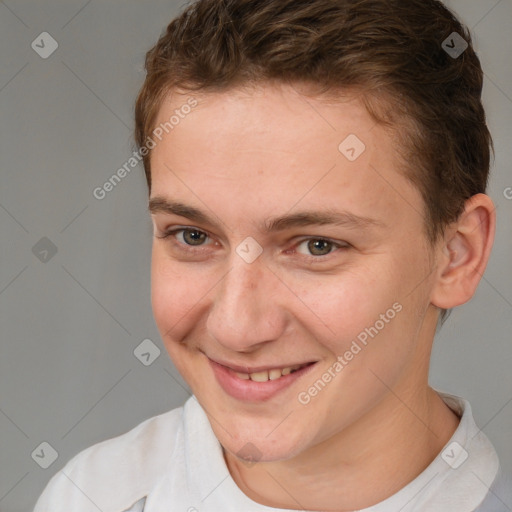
[113, 474]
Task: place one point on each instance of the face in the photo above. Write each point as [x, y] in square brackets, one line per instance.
[278, 243]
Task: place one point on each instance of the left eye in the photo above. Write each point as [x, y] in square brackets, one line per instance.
[317, 246]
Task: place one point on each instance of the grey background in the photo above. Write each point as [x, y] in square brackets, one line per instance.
[69, 326]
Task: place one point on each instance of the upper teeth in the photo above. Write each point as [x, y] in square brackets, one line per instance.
[273, 374]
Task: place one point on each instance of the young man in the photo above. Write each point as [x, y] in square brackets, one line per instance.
[317, 175]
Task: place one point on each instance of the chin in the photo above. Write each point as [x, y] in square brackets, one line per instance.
[250, 445]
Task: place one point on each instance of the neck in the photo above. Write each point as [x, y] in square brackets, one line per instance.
[360, 466]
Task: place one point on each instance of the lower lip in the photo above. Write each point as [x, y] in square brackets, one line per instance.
[251, 391]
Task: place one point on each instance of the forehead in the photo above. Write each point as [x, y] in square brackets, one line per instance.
[271, 149]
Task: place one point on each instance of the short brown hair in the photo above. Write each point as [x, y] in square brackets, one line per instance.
[391, 51]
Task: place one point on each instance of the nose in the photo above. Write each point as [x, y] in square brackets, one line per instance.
[247, 311]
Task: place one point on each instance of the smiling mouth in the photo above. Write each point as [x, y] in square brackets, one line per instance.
[274, 374]
[258, 383]
[266, 375]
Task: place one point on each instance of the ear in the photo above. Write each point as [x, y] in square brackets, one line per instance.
[464, 253]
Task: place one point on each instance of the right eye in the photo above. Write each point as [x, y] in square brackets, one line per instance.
[185, 237]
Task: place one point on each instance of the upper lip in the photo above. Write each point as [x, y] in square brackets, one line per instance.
[255, 369]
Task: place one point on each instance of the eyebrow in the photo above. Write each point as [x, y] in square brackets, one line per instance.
[300, 219]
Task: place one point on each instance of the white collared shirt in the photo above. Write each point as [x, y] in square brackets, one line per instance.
[173, 462]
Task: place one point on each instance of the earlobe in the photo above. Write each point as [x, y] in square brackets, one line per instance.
[465, 253]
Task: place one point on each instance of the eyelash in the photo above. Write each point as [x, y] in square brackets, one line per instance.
[311, 258]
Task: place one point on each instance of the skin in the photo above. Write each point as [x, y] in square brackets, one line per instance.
[242, 157]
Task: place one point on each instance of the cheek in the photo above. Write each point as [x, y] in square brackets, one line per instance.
[347, 303]
[376, 315]
[175, 293]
